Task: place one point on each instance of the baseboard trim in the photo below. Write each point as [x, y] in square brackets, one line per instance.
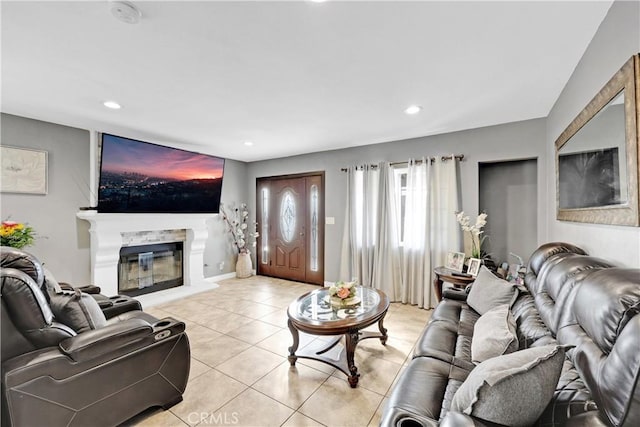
[224, 276]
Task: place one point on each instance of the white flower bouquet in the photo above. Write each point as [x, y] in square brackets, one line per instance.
[475, 231]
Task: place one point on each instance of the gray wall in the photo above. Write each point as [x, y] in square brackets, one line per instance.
[508, 191]
[617, 39]
[510, 141]
[63, 240]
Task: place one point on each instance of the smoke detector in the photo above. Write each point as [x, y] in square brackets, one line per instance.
[125, 12]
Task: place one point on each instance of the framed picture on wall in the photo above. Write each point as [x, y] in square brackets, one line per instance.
[474, 266]
[23, 170]
[455, 261]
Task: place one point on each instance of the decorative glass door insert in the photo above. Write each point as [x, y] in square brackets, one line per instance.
[288, 216]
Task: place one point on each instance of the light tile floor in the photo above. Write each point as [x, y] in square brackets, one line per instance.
[240, 375]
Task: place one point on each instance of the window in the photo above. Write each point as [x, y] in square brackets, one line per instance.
[265, 226]
[366, 206]
[313, 242]
[400, 182]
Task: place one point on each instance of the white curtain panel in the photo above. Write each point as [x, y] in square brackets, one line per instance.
[416, 266]
[387, 268]
[348, 252]
[445, 202]
[430, 226]
[360, 232]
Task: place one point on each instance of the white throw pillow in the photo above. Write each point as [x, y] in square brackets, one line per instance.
[489, 291]
[494, 334]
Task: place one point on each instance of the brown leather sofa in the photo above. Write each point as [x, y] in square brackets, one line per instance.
[581, 302]
[56, 376]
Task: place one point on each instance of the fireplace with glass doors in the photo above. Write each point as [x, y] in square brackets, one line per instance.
[149, 268]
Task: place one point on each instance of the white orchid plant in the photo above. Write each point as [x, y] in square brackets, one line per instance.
[475, 231]
[242, 233]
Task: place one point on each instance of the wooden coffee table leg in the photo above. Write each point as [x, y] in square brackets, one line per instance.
[383, 331]
[351, 339]
[296, 342]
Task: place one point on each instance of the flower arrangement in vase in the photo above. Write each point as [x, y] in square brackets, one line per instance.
[475, 232]
[16, 234]
[242, 234]
[343, 293]
[239, 228]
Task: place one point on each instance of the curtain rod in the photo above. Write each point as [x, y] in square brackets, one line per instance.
[432, 159]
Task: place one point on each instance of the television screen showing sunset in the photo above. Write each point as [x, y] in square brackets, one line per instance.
[138, 176]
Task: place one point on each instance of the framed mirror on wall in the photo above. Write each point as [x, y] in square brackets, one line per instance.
[597, 155]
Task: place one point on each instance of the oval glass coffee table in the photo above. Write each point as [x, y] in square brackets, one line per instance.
[314, 314]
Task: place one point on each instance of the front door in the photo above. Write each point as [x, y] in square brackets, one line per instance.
[291, 224]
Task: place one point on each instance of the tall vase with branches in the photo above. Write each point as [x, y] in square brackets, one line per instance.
[243, 233]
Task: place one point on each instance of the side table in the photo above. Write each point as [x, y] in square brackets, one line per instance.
[446, 275]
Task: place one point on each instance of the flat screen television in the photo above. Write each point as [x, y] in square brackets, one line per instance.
[141, 177]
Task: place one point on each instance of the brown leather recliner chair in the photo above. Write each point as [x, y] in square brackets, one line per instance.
[57, 376]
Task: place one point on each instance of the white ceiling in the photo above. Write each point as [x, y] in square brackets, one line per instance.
[293, 77]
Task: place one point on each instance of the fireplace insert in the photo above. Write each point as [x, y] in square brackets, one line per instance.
[150, 268]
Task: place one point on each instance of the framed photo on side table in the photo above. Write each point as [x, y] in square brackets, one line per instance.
[474, 266]
[455, 261]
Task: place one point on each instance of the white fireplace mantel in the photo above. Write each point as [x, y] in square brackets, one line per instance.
[106, 240]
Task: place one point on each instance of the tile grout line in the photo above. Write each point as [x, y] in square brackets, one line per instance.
[309, 397]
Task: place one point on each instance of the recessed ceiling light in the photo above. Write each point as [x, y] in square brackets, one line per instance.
[413, 109]
[317, 1]
[248, 143]
[112, 104]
